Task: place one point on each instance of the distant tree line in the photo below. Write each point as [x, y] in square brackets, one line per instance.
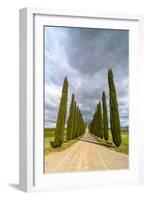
[75, 122]
[99, 123]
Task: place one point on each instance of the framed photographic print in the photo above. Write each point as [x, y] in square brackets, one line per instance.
[79, 103]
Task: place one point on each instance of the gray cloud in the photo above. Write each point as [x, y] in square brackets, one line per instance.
[90, 45]
[84, 56]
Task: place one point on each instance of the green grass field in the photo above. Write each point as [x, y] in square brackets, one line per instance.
[123, 148]
[49, 132]
[49, 136]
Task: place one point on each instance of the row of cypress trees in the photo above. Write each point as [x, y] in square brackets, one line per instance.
[75, 122]
[99, 123]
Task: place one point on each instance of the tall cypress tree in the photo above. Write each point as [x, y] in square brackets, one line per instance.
[94, 123]
[105, 117]
[70, 119]
[100, 121]
[114, 112]
[74, 121]
[81, 124]
[77, 122]
[60, 125]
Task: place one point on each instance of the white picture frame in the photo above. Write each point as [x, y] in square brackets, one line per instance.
[31, 174]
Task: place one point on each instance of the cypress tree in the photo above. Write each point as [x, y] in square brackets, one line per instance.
[60, 125]
[74, 121]
[77, 122]
[93, 124]
[114, 112]
[96, 128]
[105, 117]
[100, 121]
[90, 126]
[70, 119]
[80, 124]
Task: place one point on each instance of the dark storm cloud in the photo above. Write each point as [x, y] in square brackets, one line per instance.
[85, 49]
[84, 56]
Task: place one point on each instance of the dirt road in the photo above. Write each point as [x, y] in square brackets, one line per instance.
[85, 155]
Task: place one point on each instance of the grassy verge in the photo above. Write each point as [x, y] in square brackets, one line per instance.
[49, 136]
[49, 132]
[123, 148]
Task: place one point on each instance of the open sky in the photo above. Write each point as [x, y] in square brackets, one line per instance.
[84, 55]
